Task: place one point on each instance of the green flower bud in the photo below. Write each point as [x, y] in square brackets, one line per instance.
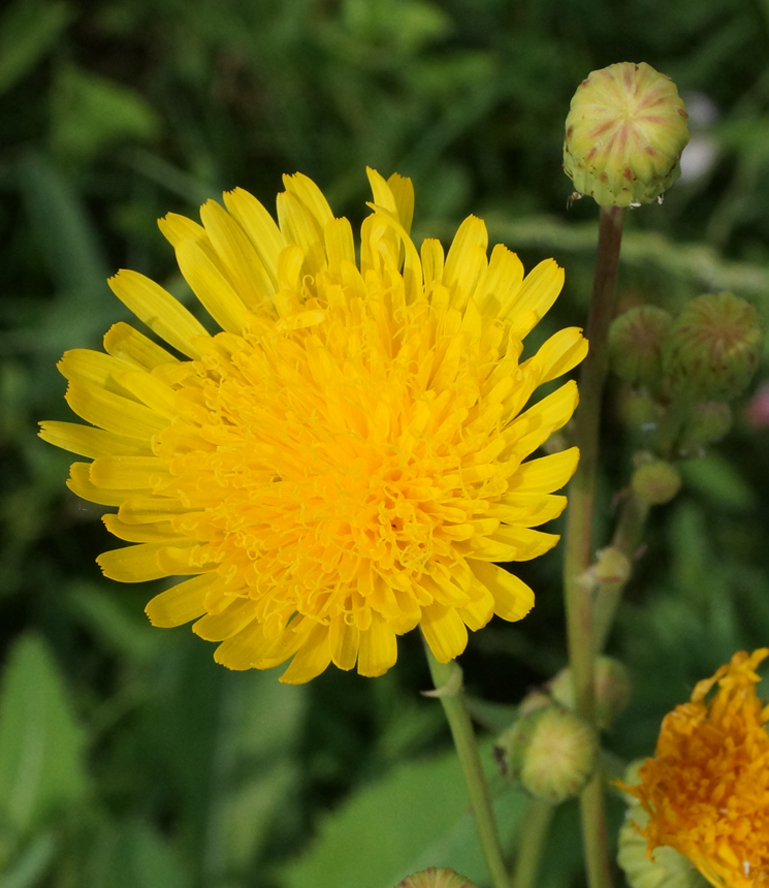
[709, 422]
[436, 877]
[638, 410]
[666, 868]
[635, 343]
[611, 689]
[532, 701]
[551, 752]
[625, 133]
[657, 482]
[612, 566]
[713, 347]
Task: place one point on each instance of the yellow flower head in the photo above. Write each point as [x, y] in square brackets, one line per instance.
[707, 788]
[344, 461]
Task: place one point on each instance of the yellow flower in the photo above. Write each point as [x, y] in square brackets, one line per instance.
[707, 788]
[344, 461]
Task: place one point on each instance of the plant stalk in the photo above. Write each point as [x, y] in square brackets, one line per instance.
[579, 542]
[443, 675]
[533, 838]
[627, 538]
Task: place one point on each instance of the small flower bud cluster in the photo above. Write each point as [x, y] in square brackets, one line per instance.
[693, 363]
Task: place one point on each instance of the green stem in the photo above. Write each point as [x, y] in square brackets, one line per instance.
[444, 675]
[533, 837]
[579, 527]
[627, 538]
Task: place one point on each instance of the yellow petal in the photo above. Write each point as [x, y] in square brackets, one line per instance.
[381, 192]
[91, 442]
[499, 283]
[343, 640]
[235, 617]
[238, 256]
[378, 649]
[150, 390]
[180, 603]
[132, 564]
[85, 365]
[466, 261]
[403, 192]
[513, 599]
[535, 426]
[287, 643]
[113, 412]
[559, 354]
[241, 650]
[80, 483]
[432, 261]
[311, 197]
[486, 549]
[340, 245]
[477, 613]
[158, 309]
[129, 472]
[122, 341]
[161, 531]
[302, 228]
[176, 229]
[527, 510]
[539, 290]
[444, 632]
[212, 288]
[311, 659]
[546, 474]
[528, 543]
[264, 234]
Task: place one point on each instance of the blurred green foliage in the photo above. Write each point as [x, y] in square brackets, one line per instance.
[127, 757]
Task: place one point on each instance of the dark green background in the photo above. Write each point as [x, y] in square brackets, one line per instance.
[127, 758]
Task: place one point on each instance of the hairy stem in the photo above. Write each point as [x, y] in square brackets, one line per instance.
[627, 538]
[533, 838]
[449, 687]
[579, 541]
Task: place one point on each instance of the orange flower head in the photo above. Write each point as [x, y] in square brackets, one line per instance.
[707, 788]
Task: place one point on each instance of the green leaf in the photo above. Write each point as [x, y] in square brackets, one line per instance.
[717, 479]
[30, 868]
[41, 767]
[27, 31]
[132, 855]
[416, 816]
[90, 113]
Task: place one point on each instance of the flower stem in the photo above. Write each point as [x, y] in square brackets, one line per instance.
[627, 538]
[534, 830]
[579, 542]
[449, 691]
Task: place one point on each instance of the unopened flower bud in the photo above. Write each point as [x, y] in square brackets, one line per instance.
[436, 877]
[638, 410]
[657, 482]
[713, 347]
[532, 701]
[708, 422]
[612, 566]
[611, 690]
[551, 752]
[635, 343]
[625, 132]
